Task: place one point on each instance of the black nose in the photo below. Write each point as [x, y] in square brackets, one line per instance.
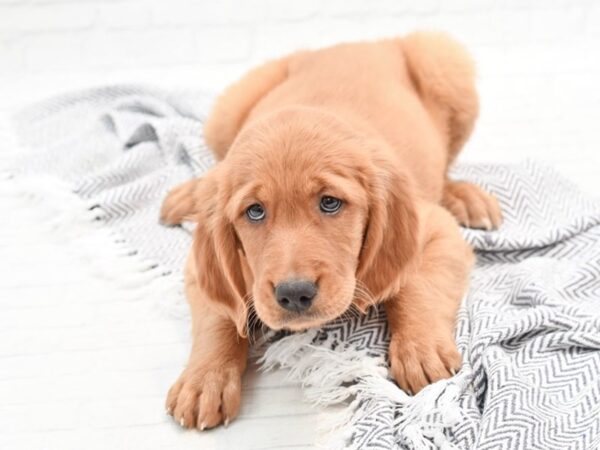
[295, 295]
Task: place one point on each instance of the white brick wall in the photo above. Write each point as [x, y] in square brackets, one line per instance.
[539, 60]
[91, 34]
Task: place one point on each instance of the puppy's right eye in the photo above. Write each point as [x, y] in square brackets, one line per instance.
[330, 205]
[255, 212]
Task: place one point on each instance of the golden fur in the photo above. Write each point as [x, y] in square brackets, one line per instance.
[374, 124]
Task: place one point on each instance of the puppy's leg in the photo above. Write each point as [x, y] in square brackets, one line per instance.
[179, 204]
[471, 205]
[208, 391]
[422, 315]
[233, 107]
[444, 76]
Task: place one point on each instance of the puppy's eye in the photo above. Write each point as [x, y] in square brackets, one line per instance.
[330, 205]
[255, 212]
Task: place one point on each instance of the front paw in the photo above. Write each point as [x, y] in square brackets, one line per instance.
[417, 362]
[205, 397]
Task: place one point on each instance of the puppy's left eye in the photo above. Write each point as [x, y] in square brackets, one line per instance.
[330, 205]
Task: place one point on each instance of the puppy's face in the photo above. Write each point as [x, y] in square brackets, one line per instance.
[301, 211]
[299, 208]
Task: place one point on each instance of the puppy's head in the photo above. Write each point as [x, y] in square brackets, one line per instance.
[303, 217]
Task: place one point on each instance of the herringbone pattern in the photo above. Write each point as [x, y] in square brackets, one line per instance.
[529, 328]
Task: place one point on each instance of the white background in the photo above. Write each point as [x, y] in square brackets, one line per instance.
[78, 367]
[538, 60]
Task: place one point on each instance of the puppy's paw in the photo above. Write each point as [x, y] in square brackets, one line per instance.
[179, 204]
[415, 363]
[472, 206]
[205, 398]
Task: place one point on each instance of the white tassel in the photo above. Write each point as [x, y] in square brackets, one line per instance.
[48, 206]
[347, 377]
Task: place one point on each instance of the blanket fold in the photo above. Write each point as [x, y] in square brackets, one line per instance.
[528, 329]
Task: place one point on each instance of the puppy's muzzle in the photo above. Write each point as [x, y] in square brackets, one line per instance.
[296, 295]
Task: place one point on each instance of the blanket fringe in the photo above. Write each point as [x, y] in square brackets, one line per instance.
[347, 378]
[48, 206]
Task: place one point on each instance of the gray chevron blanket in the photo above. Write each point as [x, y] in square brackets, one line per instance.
[528, 329]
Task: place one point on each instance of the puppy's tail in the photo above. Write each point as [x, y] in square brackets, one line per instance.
[179, 204]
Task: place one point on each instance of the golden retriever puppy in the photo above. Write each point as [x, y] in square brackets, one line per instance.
[330, 193]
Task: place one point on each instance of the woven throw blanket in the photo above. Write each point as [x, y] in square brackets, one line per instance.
[528, 329]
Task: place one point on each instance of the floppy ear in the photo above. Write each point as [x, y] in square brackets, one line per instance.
[390, 239]
[216, 250]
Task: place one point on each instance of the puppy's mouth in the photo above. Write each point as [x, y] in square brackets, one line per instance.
[304, 321]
